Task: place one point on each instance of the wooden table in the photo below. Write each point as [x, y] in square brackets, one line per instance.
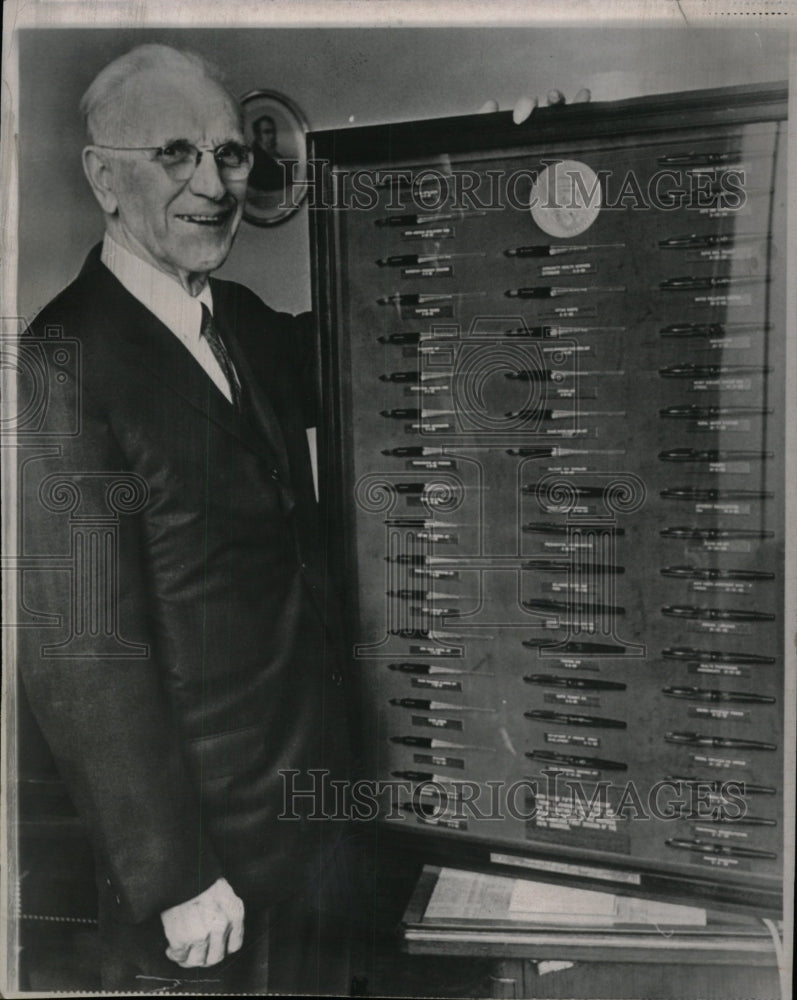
[732, 957]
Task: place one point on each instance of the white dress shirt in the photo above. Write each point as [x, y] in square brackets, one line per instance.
[166, 298]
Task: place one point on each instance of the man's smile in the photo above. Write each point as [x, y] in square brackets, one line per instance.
[213, 219]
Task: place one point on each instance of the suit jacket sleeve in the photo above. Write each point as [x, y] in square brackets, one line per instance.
[105, 715]
[306, 363]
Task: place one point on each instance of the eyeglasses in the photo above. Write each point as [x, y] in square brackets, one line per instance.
[181, 158]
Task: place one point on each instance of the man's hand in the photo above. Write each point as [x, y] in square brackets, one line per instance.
[204, 929]
[525, 105]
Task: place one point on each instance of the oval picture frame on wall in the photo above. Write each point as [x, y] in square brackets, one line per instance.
[275, 128]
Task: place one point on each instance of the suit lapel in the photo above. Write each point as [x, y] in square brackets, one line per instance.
[259, 405]
[158, 350]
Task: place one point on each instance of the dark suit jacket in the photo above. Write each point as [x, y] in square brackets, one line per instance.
[202, 667]
[267, 173]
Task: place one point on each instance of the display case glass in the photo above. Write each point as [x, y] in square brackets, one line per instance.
[553, 465]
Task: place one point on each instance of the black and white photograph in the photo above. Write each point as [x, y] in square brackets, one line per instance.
[398, 549]
[277, 182]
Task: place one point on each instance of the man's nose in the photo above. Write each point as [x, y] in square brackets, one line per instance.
[206, 180]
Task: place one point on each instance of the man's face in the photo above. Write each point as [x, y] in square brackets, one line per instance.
[267, 136]
[180, 226]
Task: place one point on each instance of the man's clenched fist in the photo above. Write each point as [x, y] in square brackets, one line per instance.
[204, 929]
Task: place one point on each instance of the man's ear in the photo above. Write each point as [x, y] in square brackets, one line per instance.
[100, 178]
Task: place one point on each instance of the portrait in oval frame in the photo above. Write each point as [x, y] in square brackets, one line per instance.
[275, 129]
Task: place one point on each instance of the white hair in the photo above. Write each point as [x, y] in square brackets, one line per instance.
[100, 104]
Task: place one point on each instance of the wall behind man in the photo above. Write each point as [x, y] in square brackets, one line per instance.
[337, 76]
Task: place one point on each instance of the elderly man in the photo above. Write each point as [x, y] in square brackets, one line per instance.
[205, 668]
[196, 391]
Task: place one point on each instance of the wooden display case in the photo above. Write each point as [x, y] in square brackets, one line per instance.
[552, 456]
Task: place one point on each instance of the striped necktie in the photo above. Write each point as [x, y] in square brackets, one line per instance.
[216, 344]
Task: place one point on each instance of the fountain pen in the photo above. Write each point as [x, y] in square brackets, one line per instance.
[571, 719]
[577, 683]
[716, 614]
[692, 282]
[726, 850]
[574, 605]
[713, 656]
[712, 331]
[598, 763]
[712, 371]
[696, 493]
[713, 455]
[708, 694]
[719, 742]
[712, 573]
[714, 534]
[693, 412]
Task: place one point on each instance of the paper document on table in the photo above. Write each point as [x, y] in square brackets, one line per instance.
[463, 895]
[467, 895]
[548, 903]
